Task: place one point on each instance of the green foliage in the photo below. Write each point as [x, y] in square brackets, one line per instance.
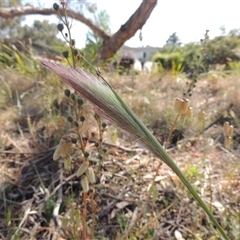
[172, 61]
[44, 40]
[234, 65]
[221, 50]
[192, 172]
[71, 225]
[173, 40]
[49, 207]
[176, 58]
[192, 56]
[153, 190]
[11, 57]
[93, 41]
[9, 27]
[41, 32]
[122, 222]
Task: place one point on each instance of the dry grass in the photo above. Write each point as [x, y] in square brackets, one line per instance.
[123, 203]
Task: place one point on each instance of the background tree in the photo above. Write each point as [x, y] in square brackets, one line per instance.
[171, 56]
[93, 41]
[223, 49]
[111, 43]
[9, 26]
[173, 40]
[41, 32]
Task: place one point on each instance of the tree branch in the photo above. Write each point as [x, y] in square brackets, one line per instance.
[111, 44]
[128, 30]
[30, 10]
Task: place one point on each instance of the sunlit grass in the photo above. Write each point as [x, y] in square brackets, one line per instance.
[152, 100]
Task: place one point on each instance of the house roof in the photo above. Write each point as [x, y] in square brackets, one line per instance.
[133, 52]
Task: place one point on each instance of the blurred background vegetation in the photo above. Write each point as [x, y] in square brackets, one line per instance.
[207, 54]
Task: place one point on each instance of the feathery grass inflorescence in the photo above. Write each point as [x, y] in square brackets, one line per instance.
[108, 104]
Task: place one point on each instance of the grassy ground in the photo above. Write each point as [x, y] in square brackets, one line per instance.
[134, 197]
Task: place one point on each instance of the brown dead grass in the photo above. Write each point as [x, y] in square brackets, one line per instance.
[125, 208]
